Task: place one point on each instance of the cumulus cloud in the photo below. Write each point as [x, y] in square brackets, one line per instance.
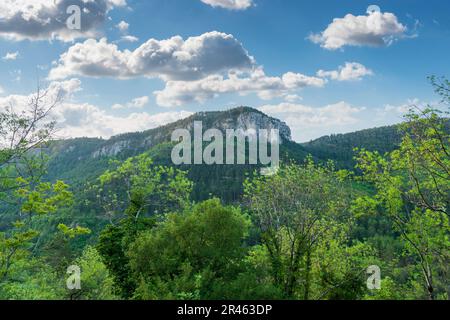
[194, 70]
[177, 93]
[46, 19]
[125, 37]
[374, 29]
[135, 103]
[230, 4]
[170, 59]
[86, 120]
[338, 113]
[349, 72]
[292, 98]
[123, 26]
[55, 91]
[309, 122]
[10, 56]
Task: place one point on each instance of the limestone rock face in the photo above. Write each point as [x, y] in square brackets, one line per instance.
[243, 118]
[256, 121]
[111, 150]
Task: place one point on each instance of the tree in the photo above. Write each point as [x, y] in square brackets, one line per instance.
[24, 197]
[136, 193]
[113, 245]
[144, 188]
[294, 210]
[22, 133]
[95, 280]
[413, 188]
[189, 252]
[43, 199]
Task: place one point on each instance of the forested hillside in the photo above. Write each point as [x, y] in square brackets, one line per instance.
[82, 160]
[137, 227]
[340, 148]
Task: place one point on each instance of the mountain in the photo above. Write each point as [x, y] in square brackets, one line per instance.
[78, 161]
[83, 151]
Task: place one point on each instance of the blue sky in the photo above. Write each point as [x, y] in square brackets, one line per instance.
[286, 58]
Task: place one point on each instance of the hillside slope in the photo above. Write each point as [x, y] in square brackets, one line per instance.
[340, 147]
[78, 161]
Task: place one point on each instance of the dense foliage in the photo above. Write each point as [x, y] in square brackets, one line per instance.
[137, 227]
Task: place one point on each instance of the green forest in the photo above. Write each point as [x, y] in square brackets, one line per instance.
[138, 228]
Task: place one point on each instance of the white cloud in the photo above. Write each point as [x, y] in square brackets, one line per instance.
[230, 4]
[2, 90]
[374, 29]
[129, 38]
[171, 59]
[395, 113]
[402, 109]
[11, 56]
[292, 98]
[308, 122]
[86, 120]
[194, 70]
[125, 37]
[135, 103]
[139, 102]
[349, 72]
[177, 93]
[123, 26]
[46, 19]
[54, 91]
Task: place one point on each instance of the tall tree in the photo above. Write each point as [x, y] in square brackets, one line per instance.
[138, 187]
[294, 210]
[189, 253]
[23, 194]
[413, 188]
[133, 196]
